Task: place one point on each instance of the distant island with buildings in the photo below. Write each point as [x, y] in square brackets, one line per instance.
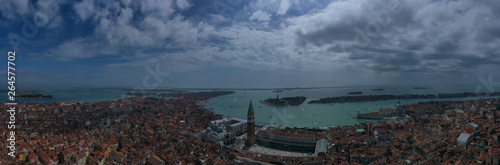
[28, 94]
[363, 98]
[33, 96]
[285, 101]
[23, 91]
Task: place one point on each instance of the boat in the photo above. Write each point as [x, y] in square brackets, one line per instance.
[277, 91]
[355, 93]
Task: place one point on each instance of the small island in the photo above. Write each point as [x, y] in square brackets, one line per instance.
[23, 91]
[293, 101]
[355, 93]
[204, 95]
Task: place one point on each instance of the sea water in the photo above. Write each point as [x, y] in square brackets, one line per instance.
[319, 115]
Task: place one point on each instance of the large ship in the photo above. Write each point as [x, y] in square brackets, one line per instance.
[277, 91]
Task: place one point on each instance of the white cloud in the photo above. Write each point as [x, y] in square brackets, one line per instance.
[178, 29]
[183, 4]
[49, 7]
[84, 9]
[11, 9]
[117, 26]
[125, 16]
[205, 30]
[47, 14]
[184, 32]
[79, 48]
[260, 16]
[216, 18]
[160, 8]
[265, 5]
[155, 27]
[117, 29]
[284, 6]
[120, 34]
[126, 2]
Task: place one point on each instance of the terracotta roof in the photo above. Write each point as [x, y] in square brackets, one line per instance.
[80, 156]
[155, 160]
[70, 150]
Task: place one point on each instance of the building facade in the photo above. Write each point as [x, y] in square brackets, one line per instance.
[290, 140]
[400, 111]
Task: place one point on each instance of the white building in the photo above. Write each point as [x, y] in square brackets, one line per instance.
[464, 139]
[235, 125]
[224, 130]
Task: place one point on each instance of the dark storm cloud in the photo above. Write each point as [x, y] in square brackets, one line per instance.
[447, 46]
[395, 61]
[457, 33]
[489, 34]
[329, 34]
[472, 61]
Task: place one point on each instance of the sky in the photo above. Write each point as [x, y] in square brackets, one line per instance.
[258, 43]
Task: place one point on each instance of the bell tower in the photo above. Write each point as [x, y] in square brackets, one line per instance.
[250, 125]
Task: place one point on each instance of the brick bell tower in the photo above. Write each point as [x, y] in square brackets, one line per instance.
[250, 125]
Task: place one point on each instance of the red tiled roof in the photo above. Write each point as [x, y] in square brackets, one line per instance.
[80, 156]
[70, 150]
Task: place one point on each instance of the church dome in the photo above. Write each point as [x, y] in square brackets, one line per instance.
[219, 129]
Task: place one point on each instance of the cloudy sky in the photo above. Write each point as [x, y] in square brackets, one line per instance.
[258, 43]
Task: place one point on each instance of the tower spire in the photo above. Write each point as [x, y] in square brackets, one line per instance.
[250, 108]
